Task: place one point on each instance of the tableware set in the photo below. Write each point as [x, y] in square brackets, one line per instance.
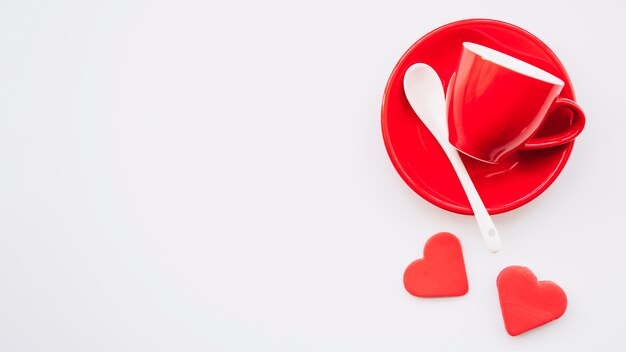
[503, 186]
[479, 117]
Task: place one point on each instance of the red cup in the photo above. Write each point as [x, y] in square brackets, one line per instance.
[496, 103]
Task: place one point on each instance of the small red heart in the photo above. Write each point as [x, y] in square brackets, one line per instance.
[527, 303]
[441, 273]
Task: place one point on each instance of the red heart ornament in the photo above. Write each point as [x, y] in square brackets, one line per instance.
[441, 273]
[527, 303]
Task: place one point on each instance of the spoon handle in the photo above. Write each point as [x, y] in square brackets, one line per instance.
[487, 228]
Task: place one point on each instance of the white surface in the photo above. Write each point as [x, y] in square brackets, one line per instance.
[513, 63]
[145, 204]
[424, 91]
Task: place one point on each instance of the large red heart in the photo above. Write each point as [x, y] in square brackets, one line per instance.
[527, 303]
[441, 273]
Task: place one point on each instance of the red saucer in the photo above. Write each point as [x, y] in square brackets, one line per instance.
[419, 159]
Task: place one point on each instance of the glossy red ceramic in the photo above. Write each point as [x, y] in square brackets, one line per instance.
[497, 103]
[419, 159]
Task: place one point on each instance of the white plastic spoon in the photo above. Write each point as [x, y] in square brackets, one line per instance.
[424, 91]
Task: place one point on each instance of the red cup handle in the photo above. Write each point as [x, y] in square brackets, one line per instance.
[562, 137]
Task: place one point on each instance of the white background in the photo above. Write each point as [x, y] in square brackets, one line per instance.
[204, 176]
